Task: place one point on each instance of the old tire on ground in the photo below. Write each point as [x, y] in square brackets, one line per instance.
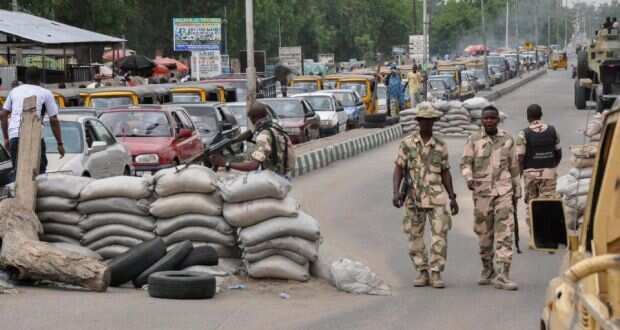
[181, 285]
[580, 96]
[583, 71]
[376, 118]
[130, 264]
[202, 255]
[169, 262]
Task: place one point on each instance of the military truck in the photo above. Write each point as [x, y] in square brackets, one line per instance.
[587, 293]
[598, 71]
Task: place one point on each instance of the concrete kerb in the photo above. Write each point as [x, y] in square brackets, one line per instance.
[492, 96]
[322, 157]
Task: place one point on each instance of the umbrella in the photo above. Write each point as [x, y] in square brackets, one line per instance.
[135, 63]
[476, 49]
[182, 67]
[160, 70]
[118, 54]
[171, 63]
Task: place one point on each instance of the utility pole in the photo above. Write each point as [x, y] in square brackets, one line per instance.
[225, 30]
[517, 21]
[507, 44]
[425, 58]
[415, 18]
[548, 30]
[249, 36]
[536, 22]
[484, 44]
[14, 5]
[279, 34]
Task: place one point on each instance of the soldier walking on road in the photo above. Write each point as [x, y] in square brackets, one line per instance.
[491, 169]
[422, 163]
[539, 153]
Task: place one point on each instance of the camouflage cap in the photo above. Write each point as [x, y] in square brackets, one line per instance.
[426, 110]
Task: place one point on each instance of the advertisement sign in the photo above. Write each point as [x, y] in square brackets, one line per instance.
[292, 58]
[327, 59]
[195, 34]
[416, 47]
[206, 64]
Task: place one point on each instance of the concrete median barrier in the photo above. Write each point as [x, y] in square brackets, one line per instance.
[511, 85]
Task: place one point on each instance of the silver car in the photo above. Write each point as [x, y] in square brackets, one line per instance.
[90, 148]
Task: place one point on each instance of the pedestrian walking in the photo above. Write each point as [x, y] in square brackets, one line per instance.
[539, 154]
[422, 167]
[394, 91]
[491, 169]
[11, 116]
[274, 149]
[414, 80]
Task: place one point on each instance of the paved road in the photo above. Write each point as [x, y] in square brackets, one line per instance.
[352, 200]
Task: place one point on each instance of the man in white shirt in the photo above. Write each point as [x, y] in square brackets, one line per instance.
[11, 115]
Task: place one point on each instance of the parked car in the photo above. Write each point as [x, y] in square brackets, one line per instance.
[211, 119]
[502, 64]
[353, 105]
[330, 110]
[292, 90]
[481, 77]
[296, 116]
[157, 136]
[381, 98]
[469, 77]
[452, 90]
[90, 148]
[238, 109]
[6, 166]
[438, 89]
[496, 75]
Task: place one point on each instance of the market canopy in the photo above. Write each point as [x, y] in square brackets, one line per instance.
[21, 28]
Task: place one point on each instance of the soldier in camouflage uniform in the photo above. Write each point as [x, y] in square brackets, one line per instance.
[491, 169]
[274, 150]
[423, 160]
[539, 153]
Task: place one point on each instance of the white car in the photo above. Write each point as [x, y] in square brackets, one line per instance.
[90, 148]
[331, 112]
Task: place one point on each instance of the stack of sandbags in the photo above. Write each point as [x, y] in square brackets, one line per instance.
[595, 127]
[278, 240]
[116, 215]
[188, 208]
[457, 121]
[441, 105]
[57, 199]
[475, 105]
[408, 121]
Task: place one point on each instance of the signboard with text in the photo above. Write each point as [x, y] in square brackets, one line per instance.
[292, 58]
[327, 59]
[196, 34]
[206, 64]
[416, 47]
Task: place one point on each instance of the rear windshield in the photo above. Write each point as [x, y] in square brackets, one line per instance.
[137, 123]
[319, 103]
[347, 99]
[186, 98]
[285, 108]
[108, 102]
[71, 135]
[359, 87]
[310, 86]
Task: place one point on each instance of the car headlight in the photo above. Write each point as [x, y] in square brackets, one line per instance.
[147, 159]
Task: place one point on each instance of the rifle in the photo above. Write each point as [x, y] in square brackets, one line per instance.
[405, 185]
[224, 141]
[516, 225]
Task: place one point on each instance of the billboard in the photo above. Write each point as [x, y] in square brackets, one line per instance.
[292, 58]
[206, 64]
[327, 59]
[195, 34]
[416, 47]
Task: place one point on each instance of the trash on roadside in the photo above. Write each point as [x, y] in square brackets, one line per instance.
[237, 287]
[284, 295]
[355, 277]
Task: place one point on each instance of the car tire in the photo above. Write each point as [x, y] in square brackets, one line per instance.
[202, 255]
[132, 263]
[580, 96]
[583, 70]
[169, 262]
[181, 285]
[374, 125]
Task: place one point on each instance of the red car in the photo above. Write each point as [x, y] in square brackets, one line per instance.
[157, 136]
[296, 116]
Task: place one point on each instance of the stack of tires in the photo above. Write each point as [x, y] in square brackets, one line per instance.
[56, 206]
[278, 240]
[116, 216]
[188, 208]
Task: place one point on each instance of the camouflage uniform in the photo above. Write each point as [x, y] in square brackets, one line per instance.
[263, 152]
[490, 163]
[537, 182]
[424, 163]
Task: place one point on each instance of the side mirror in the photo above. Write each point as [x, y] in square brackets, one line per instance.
[97, 147]
[184, 133]
[339, 109]
[548, 224]
[226, 126]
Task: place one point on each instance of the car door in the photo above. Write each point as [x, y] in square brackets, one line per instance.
[181, 144]
[342, 115]
[96, 162]
[312, 123]
[194, 143]
[116, 154]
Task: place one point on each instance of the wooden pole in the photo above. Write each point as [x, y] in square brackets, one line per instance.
[28, 155]
[251, 69]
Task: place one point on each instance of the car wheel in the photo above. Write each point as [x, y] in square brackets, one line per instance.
[181, 285]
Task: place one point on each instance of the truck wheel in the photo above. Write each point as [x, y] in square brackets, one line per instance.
[600, 105]
[580, 96]
[583, 71]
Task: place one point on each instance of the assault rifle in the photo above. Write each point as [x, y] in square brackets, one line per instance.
[224, 141]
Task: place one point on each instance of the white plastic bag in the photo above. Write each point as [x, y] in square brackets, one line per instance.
[355, 277]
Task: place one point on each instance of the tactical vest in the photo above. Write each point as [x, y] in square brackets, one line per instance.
[540, 148]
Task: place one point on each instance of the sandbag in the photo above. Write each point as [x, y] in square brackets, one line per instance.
[454, 104]
[577, 202]
[441, 124]
[279, 267]
[187, 203]
[199, 234]
[52, 238]
[250, 213]
[115, 204]
[441, 105]
[407, 120]
[61, 185]
[472, 127]
[408, 112]
[303, 226]
[114, 240]
[166, 226]
[581, 173]
[193, 179]
[595, 138]
[355, 277]
[452, 130]
[67, 218]
[117, 186]
[255, 257]
[305, 248]
[564, 184]
[112, 251]
[454, 117]
[53, 203]
[582, 162]
[102, 219]
[588, 150]
[63, 230]
[459, 112]
[476, 103]
[255, 185]
[594, 127]
[222, 250]
[77, 249]
[578, 188]
[115, 230]
[475, 114]
[460, 123]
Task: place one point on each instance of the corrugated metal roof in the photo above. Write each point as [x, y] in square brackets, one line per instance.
[41, 30]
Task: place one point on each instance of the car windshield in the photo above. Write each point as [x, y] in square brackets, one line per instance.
[382, 92]
[347, 99]
[320, 103]
[71, 135]
[204, 117]
[437, 84]
[109, 102]
[495, 60]
[186, 98]
[329, 84]
[240, 113]
[285, 108]
[449, 81]
[137, 123]
[310, 86]
[359, 87]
